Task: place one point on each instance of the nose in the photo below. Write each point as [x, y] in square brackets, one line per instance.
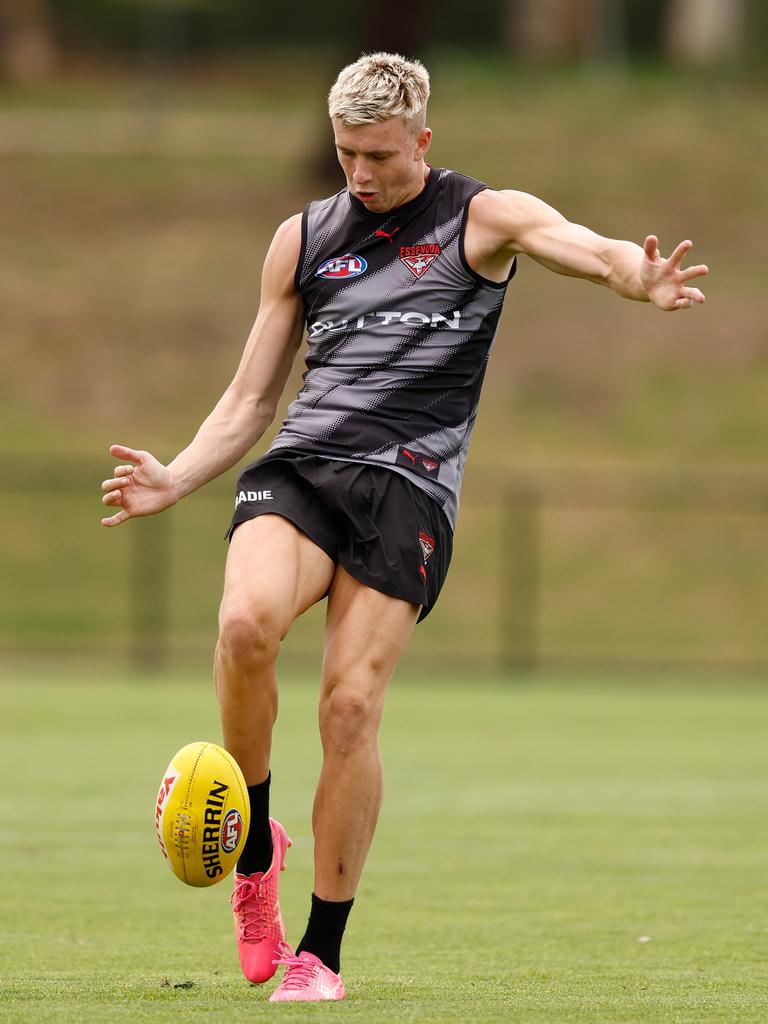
[361, 174]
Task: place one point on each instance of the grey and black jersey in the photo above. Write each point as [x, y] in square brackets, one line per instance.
[399, 332]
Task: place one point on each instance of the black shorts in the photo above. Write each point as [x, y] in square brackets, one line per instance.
[380, 527]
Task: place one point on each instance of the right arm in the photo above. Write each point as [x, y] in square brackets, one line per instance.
[243, 412]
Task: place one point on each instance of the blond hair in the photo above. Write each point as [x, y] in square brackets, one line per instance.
[380, 86]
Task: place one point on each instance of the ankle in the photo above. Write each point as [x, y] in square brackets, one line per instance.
[258, 850]
[325, 930]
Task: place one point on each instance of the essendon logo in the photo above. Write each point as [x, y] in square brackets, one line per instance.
[231, 830]
[424, 465]
[427, 544]
[419, 258]
[340, 267]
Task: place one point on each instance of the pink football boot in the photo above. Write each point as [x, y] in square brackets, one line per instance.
[306, 979]
[258, 924]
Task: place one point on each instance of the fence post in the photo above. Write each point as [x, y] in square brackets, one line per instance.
[150, 591]
[520, 548]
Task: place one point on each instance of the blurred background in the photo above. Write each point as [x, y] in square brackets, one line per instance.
[616, 500]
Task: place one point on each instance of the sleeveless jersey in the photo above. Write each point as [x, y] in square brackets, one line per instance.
[399, 332]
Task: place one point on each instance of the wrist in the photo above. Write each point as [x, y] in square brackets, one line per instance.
[641, 291]
[178, 487]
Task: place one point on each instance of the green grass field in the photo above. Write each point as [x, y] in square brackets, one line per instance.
[532, 836]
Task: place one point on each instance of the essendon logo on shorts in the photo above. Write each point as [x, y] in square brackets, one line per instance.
[419, 258]
[424, 465]
[427, 544]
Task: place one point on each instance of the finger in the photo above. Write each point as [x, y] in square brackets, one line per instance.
[683, 304]
[651, 247]
[689, 272]
[694, 294]
[677, 256]
[119, 479]
[120, 452]
[112, 498]
[116, 519]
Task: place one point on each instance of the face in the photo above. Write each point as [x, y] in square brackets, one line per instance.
[383, 162]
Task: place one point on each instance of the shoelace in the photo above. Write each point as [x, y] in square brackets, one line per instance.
[252, 919]
[299, 973]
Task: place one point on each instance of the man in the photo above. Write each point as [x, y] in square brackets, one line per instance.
[400, 278]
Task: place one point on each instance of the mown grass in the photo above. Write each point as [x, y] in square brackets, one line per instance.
[531, 837]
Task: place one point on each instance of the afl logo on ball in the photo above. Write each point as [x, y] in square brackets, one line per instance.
[231, 830]
[347, 265]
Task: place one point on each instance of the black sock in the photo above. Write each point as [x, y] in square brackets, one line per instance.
[325, 930]
[257, 852]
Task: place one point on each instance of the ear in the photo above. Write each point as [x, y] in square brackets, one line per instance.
[423, 140]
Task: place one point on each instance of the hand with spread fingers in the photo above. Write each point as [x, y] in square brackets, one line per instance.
[139, 489]
[664, 281]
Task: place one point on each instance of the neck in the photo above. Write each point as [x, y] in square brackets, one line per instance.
[417, 188]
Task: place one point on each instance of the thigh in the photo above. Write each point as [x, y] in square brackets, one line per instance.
[275, 570]
[366, 633]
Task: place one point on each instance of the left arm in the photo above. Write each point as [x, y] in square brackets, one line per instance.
[506, 223]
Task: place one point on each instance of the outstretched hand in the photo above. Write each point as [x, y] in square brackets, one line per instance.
[139, 489]
[664, 281]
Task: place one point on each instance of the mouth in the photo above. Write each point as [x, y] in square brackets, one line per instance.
[365, 197]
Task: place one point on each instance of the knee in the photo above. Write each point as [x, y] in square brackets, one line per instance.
[248, 636]
[349, 718]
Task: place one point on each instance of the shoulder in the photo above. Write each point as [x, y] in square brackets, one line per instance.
[283, 254]
[501, 217]
[289, 232]
[316, 209]
[507, 204]
[286, 242]
[455, 186]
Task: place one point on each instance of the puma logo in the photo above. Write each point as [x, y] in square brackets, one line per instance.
[386, 234]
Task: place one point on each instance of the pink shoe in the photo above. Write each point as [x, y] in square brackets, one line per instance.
[306, 979]
[258, 924]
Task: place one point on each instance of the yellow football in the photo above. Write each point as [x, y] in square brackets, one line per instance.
[202, 813]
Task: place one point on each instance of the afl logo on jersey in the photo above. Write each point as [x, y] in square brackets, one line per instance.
[348, 265]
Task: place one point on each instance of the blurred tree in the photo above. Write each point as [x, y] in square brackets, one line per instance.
[240, 26]
[706, 31]
[756, 43]
[551, 30]
[644, 27]
[604, 39]
[543, 29]
[28, 48]
[396, 26]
